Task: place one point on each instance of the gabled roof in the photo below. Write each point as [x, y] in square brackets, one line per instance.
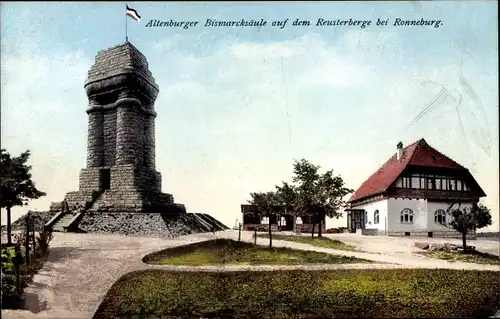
[418, 153]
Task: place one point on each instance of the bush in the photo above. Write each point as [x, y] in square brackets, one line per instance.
[11, 298]
[304, 294]
[7, 267]
[43, 239]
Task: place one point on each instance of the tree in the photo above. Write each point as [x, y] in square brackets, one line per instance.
[331, 194]
[468, 219]
[286, 196]
[318, 196]
[17, 188]
[306, 179]
[267, 205]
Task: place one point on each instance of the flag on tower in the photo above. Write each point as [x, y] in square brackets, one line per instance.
[133, 14]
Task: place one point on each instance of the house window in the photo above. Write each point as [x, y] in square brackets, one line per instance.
[406, 216]
[406, 182]
[459, 186]
[431, 183]
[399, 182]
[376, 217]
[283, 221]
[265, 220]
[444, 184]
[440, 216]
[422, 182]
[415, 180]
[438, 183]
[298, 221]
[453, 185]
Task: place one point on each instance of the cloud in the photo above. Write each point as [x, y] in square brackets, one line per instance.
[43, 110]
[255, 84]
[232, 115]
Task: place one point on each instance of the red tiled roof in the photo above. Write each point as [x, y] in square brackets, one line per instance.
[418, 153]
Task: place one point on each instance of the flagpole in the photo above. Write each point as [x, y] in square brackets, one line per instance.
[126, 31]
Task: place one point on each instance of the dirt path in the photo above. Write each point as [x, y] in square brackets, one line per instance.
[82, 267]
[399, 246]
[409, 259]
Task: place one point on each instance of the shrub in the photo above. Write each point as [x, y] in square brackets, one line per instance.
[7, 267]
[19, 239]
[11, 298]
[43, 239]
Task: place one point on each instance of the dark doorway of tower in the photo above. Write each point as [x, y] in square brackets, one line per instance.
[105, 179]
[356, 219]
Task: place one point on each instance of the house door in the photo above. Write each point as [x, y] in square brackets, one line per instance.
[360, 220]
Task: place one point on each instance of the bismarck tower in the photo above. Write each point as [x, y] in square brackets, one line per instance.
[120, 173]
[120, 189]
[121, 135]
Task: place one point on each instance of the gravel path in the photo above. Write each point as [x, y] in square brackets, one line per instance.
[399, 246]
[228, 268]
[82, 267]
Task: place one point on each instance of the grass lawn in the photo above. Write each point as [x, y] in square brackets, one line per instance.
[316, 241]
[475, 257]
[226, 251]
[386, 293]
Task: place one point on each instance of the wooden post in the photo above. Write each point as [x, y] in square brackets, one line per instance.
[34, 239]
[255, 236]
[239, 232]
[9, 227]
[27, 239]
[17, 262]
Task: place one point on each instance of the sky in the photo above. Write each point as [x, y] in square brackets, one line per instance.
[237, 105]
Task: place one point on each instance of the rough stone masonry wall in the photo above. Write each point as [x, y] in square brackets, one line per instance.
[80, 198]
[135, 224]
[123, 178]
[130, 178]
[109, 137]
[95, 142]
[90, 179]
[119, 57]
[129, 133]
[122, 200]
[149, 142]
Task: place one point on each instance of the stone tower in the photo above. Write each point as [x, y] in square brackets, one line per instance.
[120, 175]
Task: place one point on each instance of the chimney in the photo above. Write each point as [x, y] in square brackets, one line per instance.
[400, 150]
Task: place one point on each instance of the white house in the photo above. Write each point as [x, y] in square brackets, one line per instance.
[411, 193]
